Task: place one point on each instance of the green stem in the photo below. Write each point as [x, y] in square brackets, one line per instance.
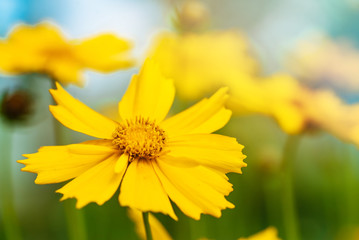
[147, 226]
[10, 221]
[349, 195]
[76, 225]
[290, 217]
[270, 187]
[75, 222]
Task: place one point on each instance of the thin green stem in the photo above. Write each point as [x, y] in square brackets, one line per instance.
[10, 221]
[75, 222]
[147, 226]
[290, 218]
[76, 225]
[349, 195]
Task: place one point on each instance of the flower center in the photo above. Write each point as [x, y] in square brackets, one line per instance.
[139, 139]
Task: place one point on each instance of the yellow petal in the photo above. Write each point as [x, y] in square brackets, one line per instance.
[290, 119]
[195, 190]
[100, 142]
[60, 163]
[157, 229]
[98, 184]
[78, 117]
[121, 163]
[211, 150]
[142, 190]
[43, 48]
[37, 36]
[7, 58]
[65, 70]
[270, 233]
[149, 94]
[206, 116]
[29, 48]
[105, 52]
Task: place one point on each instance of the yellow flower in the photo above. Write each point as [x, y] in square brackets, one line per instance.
[200, 63]
[153, 159]
[157, 230]
[320, 60]
[43, 49]
[324, 110]
[267, 234]
[296, 108]
[276, 96]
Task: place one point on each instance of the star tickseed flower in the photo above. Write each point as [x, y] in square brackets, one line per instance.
[155, 160]
[42, 48]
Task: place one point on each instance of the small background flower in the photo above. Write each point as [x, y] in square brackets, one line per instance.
[44, 49]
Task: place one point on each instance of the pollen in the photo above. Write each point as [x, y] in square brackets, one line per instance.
[139, 139]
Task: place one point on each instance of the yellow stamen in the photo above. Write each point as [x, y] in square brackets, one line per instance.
[139, 139]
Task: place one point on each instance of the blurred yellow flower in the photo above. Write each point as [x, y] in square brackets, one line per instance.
[273, 96]
[324, 110]
[157, 229]
[270, 233]
[43, 49]
[320, 60]
[200, 63]
[154, 159]
[296, 108]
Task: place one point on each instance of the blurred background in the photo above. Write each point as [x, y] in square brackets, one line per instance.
[314, 43]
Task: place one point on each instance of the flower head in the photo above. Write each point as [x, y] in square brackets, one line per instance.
[153, 158]
[43, 49]
[296, 108]
[200, 63]
[319, 60]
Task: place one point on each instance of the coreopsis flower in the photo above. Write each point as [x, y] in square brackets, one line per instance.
[296, 108]
[324, 110]
[157, 229]
[321, 61]
[273, 96]
[202, 62]
[270, 233]
[43, 49]
[154, 160]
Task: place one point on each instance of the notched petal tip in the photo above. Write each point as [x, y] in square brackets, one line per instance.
[22, 161]
[52, 108]
[25, 162]
[39, 182]
[54, 92]
[230, 205]
[63, 197]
